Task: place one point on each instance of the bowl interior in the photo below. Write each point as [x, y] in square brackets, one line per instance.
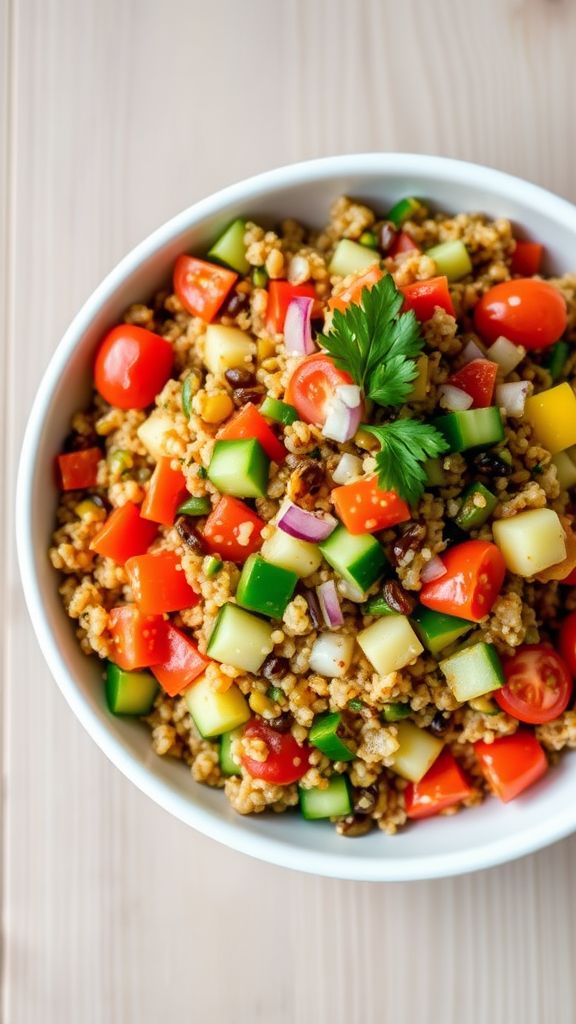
[479, 837]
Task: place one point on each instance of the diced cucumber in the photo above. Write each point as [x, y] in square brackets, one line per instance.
[292, 554]
[473, 671]
[214, 712]
[129, 693]
[230, 249]
[472, 428]
[154, 433]
[264, 587]
[417, 751]
[228, 765]
[239, 468]
[531, 541]
[565, 470]
[324, 736]
[332, 802]
[278, 411]
[212, 566]
[478, 504]
[240, 639]
[435, 474]
[555, 359]
[452, 259]
[358, 559]
[395, 712]
[195, 507]
[349, 258]
[226, 348]
[390, 643]
[437, 630]
[403, 210]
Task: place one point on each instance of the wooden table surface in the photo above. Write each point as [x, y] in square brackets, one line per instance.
[114, 115]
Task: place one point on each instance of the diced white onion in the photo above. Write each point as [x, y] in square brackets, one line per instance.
[349, 467]
[433, 570]
[472, 351]
[331, 654]
[341, 422]
[512, 396]
[506, 354]
[349, 394]
[454, 399]
[351, 591]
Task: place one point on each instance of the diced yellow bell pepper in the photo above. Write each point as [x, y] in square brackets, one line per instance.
[420, 386]
[552, 414]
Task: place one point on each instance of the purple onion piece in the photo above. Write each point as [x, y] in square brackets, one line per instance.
[330, 604]
[297, 328]
[310, 526]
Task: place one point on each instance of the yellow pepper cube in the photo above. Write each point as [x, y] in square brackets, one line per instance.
[552, 414]
[420, 385]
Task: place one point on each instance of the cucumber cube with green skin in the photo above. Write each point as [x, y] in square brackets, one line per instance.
[129, 693]
[240, 639]
[435, 475]
[324, 736]
[358, 559]
[395, 712]
[403, 210]
[437, 630]
[478, 504]
[332, 802]
[349, 258]
[228, 765]
[471, 428]
[230, 249]
[278, 411]
[265, 588]
[473, 671]
[239, 468]
[213, 566]
[452, 259]
[290, 553]
[214, 712]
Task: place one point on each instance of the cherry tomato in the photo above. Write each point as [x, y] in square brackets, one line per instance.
[443, 786]
[287, 761]
[313, 385]
[568, 641]
[201, 286]
[538, 685]
[132, 366]
[477, 379]
[528, 312]
[475, 573]
[512, 763]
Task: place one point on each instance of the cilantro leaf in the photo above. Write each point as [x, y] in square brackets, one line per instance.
[405, 447]
[377, 344]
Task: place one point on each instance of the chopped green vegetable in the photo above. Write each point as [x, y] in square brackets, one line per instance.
[473, 671]
[188, 394]
[378, 606]
[202, 472]
[259, 277]
[129, 693]
[435, 475]
[406, 446]
[350, 258]
[240, 639]
[437, 630]
[239, 468]
[357, 558]
[265, 588]
[368, 238]
[395, 712]
[478, 504]
[355, 704]
[215, 712]
[195, 507]
[230, 249]
[275, 694]
[120, 461]
[213, 566]
[278, 411]
[228, 765]
[555, 359]
[473, 428]
[452, 259]
[403, 210]
[332, 802]
[324, 735]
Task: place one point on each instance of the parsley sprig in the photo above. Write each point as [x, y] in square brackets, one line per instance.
[404, 447]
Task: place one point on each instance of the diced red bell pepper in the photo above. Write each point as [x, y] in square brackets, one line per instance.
[79, 469]
[403, 243]
[124, 534]
[182, 663]
[233, 530]
[353, 292]
[249, 423]
[474, 576]
[202, 286]
[511, 763]
[159, 584]
[166, 490]
[526, 258]
[477, 379]
[364, 507]
[138, 640]
[443, 786]
[280, 295]
[424, 296]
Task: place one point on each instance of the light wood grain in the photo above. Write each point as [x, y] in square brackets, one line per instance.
[114, 115]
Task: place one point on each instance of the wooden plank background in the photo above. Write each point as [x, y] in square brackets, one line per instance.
[115, 114]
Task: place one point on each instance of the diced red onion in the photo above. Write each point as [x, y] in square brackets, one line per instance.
[303, 525]
[349, 467]
[506, 354]
[349, 394]
[472, 351]
[297, 329]
[342, 422]
[313, 605]
[330, 604]
[433, 570]
[512, 396]
[455, 399]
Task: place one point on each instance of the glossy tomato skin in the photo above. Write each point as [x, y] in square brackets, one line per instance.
[313, 385]
[528, 312]
[182, 661]
[132, 366]
[538, 685]
[474, 577]
[351, 295]
[138, 640]
[287, 761]
[424, 296]
[511, 763]
[124, 534]
[201, 286]
[568, 641]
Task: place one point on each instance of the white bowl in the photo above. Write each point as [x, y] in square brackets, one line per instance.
[477, 838]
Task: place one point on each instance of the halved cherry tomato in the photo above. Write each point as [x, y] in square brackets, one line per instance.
[402, 243]
[424, 296]
[166, 490]
[159, 584]
[477, 379]
[280, 295]
[182, 662]
[248, 422]
[364, 507]
[511, 763]
[526, 258]
[538, 685]
[528, 312]
[287, 761]
[138, 640]
[124, 534]
[201, 286]
[474, 576]
[233, 530]
[313, 385]
[352, 294]
[568, 641]
[443, 786]
[77, 470]
[132, 366]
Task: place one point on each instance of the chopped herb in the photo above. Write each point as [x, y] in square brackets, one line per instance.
[405, 446]
[202, 473]
[356, 705]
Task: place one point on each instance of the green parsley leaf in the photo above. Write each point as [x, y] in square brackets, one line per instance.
[405, 447]
[377, 344]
